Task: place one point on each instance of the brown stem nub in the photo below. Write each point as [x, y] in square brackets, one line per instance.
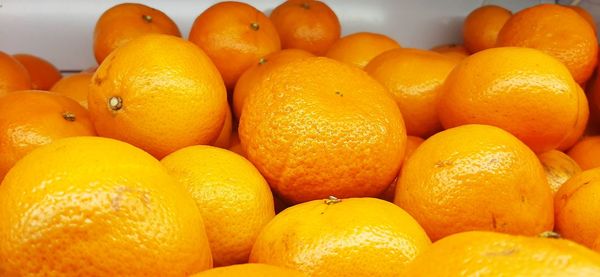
[147, 18]
[305, 5]
[254, 26]
[69, 116]
[115, 103]
[332, 200]
[262, 61]
[549, 235]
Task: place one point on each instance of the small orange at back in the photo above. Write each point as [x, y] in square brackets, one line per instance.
[414, 77]
[43, 74]
[482, 25]
[306, 24]
[235, 36]
[585, 14]
[559, 168]
[235, 144]
[13, 75]
[224, 138]
[456, 51]
[250, 270]
[557, 31]
[360, 48]
[586, 152]
[412, 143]
[30, 119]
[252, 75]
[124, 22]
[75, 86]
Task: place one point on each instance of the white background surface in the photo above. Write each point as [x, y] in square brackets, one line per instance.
[61, 30]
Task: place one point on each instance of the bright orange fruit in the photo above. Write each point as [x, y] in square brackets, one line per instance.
[360, 48]
[43, 74]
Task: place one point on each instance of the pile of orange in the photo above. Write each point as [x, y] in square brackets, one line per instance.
[276, 145]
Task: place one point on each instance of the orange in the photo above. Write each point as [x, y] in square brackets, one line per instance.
[249, 270]
[455, 51]
[30, 119]
[594, 100]
[91, 206]
[124, 22]
[414, 77]
[586, 152]
[412, 143]
[559, 168]
[475, 177]
[13, 75]
[577, 131]
[252, 75]
[75, 86]
[480, 253]
[585, 14]
[235, 145]
[235, 36]
[524, 91]
[482, 25]
[360, 48]
[341, 237]
[42, 73]
[317, 127]
[557, 31]
[233, 198]
[306, 24]
[160, 93]
[224, 138]
[576, 205]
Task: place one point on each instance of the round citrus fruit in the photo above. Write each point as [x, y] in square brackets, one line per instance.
[224, 138]
[234, 199]
[13, 75]
[360, 48]
[586, 152]
[412, 143]
[75, 86]
[341, 237]
[91, 206]
[42, 73]
[559, 168]
[583, 115]
[524, 91]
[482, 25]
[455, 51]
[250, 270]
[585, 14]
[160, 93]
[475, 177]
[318, 127]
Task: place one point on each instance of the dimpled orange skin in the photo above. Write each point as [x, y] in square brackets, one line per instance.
[13, 75]
[30, 119]
[480, 253]
[559, 168]
[576, 207]
[360, 48]
[225, 31]
[557, 31]
[124, 22]
[252, 75]
[234, 199]
[583, 116]
[354, 237]
[522, 90]
[42, 73]
[250, 270]
[75, 86]
[91, 206]
[306, 24]
[318, 127]
[414, 77]
[482, 25]
[171, 95]
[475, 177]
[586, 152]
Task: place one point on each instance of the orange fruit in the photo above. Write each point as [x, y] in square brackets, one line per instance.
[360, 48]
[42, 73]
[586, 152]
[557, 31]
[585, 14]
[475, 177]
[559, 168]
[306, 24]
[317, 127]
[233, 198]
[414, 77]
[524, 91]
[252, 75]
[341, 237]
[224, 138]
[235, 36]
[576, 208]
[249, 270]
[480, 253]
[577, 131]
[75, 86]
[412, 143]
[235, 145]
[482, 25]
[594, 100]
[124, 22]
[160, 93]
[91, 206]
[455, 51]
[13, 75]
[30, 119]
